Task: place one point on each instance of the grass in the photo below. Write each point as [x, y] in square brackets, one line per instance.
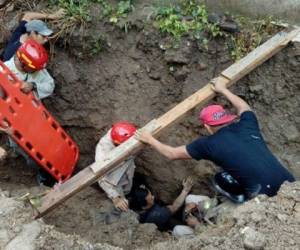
[251, 36]
[78, 15]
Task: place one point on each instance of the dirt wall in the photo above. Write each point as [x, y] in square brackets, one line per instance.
[136, 80]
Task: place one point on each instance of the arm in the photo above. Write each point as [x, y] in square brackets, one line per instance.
[172, 153]
[44, 84]
[28, 16]
[187, 186]
[113, 193]
[240, 105]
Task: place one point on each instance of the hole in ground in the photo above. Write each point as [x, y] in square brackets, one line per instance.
[89, 214]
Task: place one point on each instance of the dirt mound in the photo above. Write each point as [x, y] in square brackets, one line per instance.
[262, 223]
[19, 231]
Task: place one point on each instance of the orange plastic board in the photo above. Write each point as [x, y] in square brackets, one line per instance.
[35, 130]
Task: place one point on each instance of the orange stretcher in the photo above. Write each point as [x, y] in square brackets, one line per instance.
[34, 129]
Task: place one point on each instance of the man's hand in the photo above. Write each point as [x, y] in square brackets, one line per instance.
[188, 184]
[27, 87]
[143, 136]
[4, 127]
[218, 86]
[192, 221]
[58, 14]
[120, 203]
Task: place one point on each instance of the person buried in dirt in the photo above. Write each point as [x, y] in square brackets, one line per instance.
[151, 212]
[29, 66]
[236, 144]
[117, 183]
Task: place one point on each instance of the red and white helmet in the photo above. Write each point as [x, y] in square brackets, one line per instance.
[122, 131]
[33, 55]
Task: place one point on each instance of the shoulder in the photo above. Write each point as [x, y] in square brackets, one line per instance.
[106, 141]
[198, 148]
[43, 76]
[248, 115]
[10, 63]
[22, 24]
[249, 120]
[21, 29]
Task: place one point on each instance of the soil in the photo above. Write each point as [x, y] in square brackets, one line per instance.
[138, 77]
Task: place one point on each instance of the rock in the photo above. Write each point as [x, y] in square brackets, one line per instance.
[256, 88]
[5, 193]
[297, 211]
[4, 237]
[180, 56]
[290, 132]
[253, 240]
[282, 217]
[256, 217]
[215, 17]
[155, 71]
[225, 22]
[181, 74]
[202, 66]
[26, 239]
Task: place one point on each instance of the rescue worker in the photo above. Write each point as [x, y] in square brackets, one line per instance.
[30, 27]
[236, 145]
[118, 183]
[29, 65]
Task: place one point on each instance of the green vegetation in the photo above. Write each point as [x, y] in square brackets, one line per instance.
[78, 16]
[185, 18]
[191, 18]
[174, 18]
[80, 9]
[251, 36]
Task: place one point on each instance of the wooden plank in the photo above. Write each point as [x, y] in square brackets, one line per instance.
[96, 170]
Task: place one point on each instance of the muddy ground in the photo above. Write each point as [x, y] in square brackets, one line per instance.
[138, 77]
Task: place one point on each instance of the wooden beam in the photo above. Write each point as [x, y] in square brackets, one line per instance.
[93, 172]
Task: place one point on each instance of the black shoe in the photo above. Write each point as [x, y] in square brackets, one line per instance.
[226, 185]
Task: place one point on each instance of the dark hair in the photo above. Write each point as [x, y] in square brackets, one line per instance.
[139, 197]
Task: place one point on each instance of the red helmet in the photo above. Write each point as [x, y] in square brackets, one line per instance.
[33, 55]
[122, 131]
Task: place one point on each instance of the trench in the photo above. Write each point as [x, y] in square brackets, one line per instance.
[135, 80]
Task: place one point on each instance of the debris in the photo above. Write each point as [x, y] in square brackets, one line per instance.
[225, 22]
[290, 132]
[253, 240]
[181, 73]
[180, 56]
